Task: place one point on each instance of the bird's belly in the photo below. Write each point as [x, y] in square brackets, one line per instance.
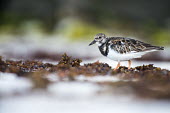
[113, 55]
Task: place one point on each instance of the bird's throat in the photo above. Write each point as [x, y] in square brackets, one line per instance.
[103, 49]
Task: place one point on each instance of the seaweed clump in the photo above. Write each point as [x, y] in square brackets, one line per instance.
[97, 68]
[68, 67]
[145, 72]
[68, 61]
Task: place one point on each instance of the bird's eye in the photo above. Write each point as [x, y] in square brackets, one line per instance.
[100, 37]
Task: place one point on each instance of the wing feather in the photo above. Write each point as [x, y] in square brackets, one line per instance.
[127, 45]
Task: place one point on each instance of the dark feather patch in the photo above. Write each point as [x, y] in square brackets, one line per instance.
[126, 45]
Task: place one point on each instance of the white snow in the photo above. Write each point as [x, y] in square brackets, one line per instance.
[73, 90]
[98, 78]
[10, 84]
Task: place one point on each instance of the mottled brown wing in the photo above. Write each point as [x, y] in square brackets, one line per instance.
[126, 45]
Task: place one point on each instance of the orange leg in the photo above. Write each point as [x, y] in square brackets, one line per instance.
[129, 64]
[118, 65]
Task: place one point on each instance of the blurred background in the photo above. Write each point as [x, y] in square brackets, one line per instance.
[45, 29]
[51, 27]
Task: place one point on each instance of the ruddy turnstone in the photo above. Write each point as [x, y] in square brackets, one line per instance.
[122, 49]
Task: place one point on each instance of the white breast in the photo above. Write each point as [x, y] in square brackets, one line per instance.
[124, 57]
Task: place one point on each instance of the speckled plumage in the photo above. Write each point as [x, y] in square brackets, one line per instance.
[127, 45]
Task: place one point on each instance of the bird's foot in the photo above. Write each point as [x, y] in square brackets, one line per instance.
[117, 67]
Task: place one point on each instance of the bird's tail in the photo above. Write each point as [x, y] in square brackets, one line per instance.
[159, 48]
[154, 48]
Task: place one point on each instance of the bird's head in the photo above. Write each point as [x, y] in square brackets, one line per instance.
[99, 39]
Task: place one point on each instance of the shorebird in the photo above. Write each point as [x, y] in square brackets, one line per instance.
[122, 48]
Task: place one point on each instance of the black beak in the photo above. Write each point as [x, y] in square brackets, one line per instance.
[93, 42]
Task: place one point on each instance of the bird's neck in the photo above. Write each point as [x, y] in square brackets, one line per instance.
[103, 49]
